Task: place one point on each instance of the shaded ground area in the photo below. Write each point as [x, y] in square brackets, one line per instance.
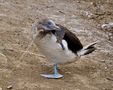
[83, 17]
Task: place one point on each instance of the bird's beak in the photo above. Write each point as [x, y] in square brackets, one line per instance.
[55, 27]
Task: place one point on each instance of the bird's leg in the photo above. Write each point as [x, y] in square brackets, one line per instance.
[55, 69]
[56, 75]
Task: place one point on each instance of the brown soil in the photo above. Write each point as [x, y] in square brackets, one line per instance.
[83, 17]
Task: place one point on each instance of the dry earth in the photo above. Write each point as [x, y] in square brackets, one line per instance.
[83, 17]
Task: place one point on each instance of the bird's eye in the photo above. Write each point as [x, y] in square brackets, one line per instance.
[49, 23]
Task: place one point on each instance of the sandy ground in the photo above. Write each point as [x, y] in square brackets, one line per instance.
[82, 17]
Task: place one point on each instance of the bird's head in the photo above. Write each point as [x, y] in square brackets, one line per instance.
[47, 25]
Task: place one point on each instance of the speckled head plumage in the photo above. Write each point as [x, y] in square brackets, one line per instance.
[47, 25]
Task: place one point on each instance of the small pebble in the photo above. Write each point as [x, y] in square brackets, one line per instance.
[107, 26]
[109, 78]
[9, 87]
[102, 61]
[105, 67]
[62, 12]
[92, 3]
[89, 15]
[78, 1]
[68, 72]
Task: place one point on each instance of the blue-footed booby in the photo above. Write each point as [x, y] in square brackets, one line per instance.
[58, 44]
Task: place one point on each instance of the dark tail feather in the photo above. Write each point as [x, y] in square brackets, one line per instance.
[87, 49]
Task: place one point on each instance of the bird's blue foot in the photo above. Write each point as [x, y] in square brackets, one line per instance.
[52, 76]
[56, 75]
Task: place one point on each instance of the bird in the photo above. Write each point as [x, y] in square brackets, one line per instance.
[58, 44]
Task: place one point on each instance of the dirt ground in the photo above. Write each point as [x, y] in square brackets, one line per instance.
[20, 71]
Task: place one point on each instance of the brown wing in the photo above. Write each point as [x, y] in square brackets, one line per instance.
[73, 42]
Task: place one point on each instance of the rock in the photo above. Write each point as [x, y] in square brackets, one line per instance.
[92, 3]
[78, 1]
[102, 61]
[61, 12]
[107, 26]
[68, 72]
[88, 14]
[9, 87]
[106, 67]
